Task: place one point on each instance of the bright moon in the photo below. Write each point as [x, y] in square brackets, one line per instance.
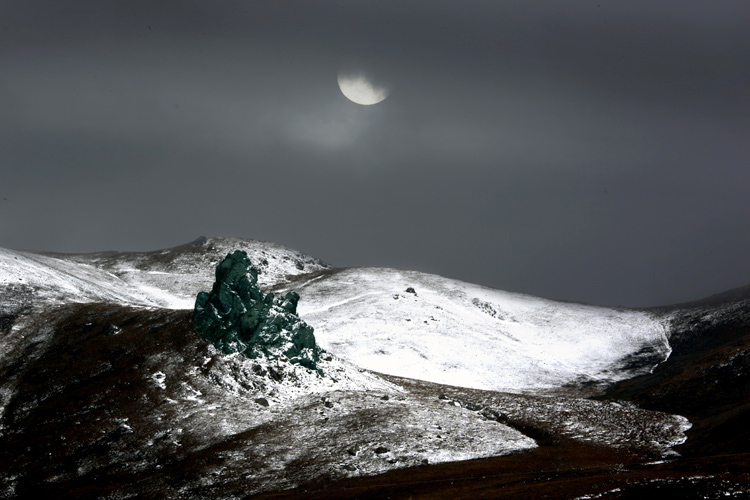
[359, 89]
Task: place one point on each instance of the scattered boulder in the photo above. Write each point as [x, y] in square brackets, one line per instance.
[490, 414]
[237, 316]
[411, 290]
[381, 449]
[262, 402]
[275, 374]
[112, 330]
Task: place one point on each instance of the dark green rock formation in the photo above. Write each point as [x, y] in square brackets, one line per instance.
[236, 316]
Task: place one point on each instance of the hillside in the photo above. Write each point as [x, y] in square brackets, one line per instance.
[397, 322]
[427, 388]
[707, 376]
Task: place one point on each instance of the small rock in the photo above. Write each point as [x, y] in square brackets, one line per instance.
[425, 461]
[352, 452]
[112, 330]
[411, 290]
[349, 467]
[381, 449]
[442, 396]
[275, 374]
[262, 401]
[328, 404]
[385, 398]
[473, 406]
[491, 414]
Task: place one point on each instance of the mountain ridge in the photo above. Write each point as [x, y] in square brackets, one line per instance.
[541, 340]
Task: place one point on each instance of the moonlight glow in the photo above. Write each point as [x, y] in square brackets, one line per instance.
[357, 88]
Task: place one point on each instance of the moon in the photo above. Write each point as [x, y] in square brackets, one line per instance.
[360, 89]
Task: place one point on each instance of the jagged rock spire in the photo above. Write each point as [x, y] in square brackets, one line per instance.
[236, 316]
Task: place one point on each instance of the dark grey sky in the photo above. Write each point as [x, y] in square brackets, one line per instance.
[594, 151]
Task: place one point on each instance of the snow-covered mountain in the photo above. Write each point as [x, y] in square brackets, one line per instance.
[396, 322]
[432, 328]
[101, 370]
[168, 278]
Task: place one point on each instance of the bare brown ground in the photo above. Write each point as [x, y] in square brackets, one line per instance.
[566, 471]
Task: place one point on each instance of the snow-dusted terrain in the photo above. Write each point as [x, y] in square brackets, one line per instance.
[168, 278]
[143, 382]
[440, 330]
[122, 392]
[102, 346]
[432, 328]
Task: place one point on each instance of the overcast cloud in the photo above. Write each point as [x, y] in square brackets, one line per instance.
[593, 151]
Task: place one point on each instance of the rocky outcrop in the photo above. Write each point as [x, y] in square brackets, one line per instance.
[237, 316]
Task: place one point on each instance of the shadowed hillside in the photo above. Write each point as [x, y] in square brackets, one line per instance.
[707, 376]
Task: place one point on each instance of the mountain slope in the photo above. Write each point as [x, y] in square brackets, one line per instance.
[432, 328]
[103, 400]
[398, 322]
[707, 377]
[107, 392]
[168, 278]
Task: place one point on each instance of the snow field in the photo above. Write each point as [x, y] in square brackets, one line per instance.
[457, 333]
[448, 331]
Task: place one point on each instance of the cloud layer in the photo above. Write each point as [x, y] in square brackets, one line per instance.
[592, 151]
